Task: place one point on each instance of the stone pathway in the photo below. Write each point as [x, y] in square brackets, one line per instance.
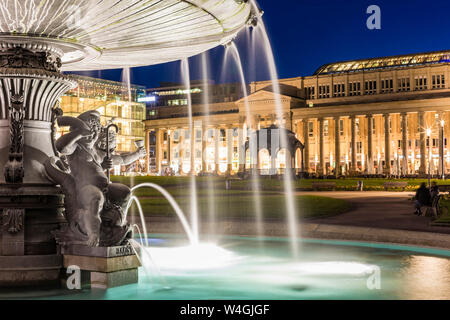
[375, 209]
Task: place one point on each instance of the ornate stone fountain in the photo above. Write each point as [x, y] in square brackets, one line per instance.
[44, 204]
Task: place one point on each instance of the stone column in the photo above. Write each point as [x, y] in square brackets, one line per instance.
[337, 147]
[147, 147]
[387, 144]
[288, 159]
[192, 150]
[321, 169]
[216, 149]
[287, 117]
[404, 144]
[158, 150]
[306, 143]
[423, 151]
[229, 149]
[369, 144]
[169, 153]
[353, 142]
[256, 120]
[204, 141]
[241, 146]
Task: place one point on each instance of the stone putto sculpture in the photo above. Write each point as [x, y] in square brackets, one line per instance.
[94, 207]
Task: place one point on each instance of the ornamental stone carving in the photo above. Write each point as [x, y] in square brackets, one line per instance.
[20, 58]
[13, 219]
[14, 170]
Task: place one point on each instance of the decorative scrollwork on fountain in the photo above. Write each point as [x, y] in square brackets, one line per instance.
[13, 219]
[94, 207]
[18, 57]
[14, 171]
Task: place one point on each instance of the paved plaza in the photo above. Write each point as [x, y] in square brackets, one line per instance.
[388, 210]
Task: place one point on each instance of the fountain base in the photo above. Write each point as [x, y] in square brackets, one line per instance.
[28, 252]
[103, 267]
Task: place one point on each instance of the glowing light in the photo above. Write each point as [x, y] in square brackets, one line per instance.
[429, 132]
[195, 257]
[292, 272]
[147, 99]
[186, 167]
[222, 167]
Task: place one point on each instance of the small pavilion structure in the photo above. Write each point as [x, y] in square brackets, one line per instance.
[269, 154]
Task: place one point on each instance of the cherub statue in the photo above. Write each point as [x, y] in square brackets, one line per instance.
[116, 159]
[94, 206]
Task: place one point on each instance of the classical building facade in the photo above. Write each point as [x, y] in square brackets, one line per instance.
[375, 116]
[115, 101]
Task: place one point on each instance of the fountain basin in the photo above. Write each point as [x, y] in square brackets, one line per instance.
[325, 270]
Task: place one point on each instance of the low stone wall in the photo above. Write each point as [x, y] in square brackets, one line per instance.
[310, 230]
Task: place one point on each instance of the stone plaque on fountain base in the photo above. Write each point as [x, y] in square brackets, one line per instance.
[103, 267]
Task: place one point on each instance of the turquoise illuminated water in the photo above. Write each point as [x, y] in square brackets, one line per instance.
[238, 268]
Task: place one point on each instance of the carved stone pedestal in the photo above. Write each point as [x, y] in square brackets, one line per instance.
[103, 267]
[28, 252]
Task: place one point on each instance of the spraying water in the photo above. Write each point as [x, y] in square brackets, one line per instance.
[141, 215]
[261, 34]
[210, 182]
[194, 205]
[126, 78]
[233, 50]
[190, 234]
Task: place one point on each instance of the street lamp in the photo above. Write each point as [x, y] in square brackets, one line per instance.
[429, 157]
[441, 149]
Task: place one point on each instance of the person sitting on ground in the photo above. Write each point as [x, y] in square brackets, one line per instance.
[423, 198]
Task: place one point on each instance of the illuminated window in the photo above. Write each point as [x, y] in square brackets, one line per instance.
[354, 89]
[421, 83]
[404, 84]
[387, 86]
[324, 91]
[438, 81]
[325, 128]
[339, 90]
[176, 92]
[311, 92]
[370, 87]
[310, 129]
[341, 127]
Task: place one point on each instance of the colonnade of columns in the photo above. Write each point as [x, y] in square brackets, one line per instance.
[168, 150]
[388, 143]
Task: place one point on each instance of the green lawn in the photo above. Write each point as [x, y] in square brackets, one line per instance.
[212, 196]
[243, 206]
[444, 218]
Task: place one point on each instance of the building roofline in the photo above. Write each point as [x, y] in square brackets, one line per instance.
[324, 69]
[104, 81]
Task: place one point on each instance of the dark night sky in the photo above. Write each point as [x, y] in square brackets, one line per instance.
[306, 34]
